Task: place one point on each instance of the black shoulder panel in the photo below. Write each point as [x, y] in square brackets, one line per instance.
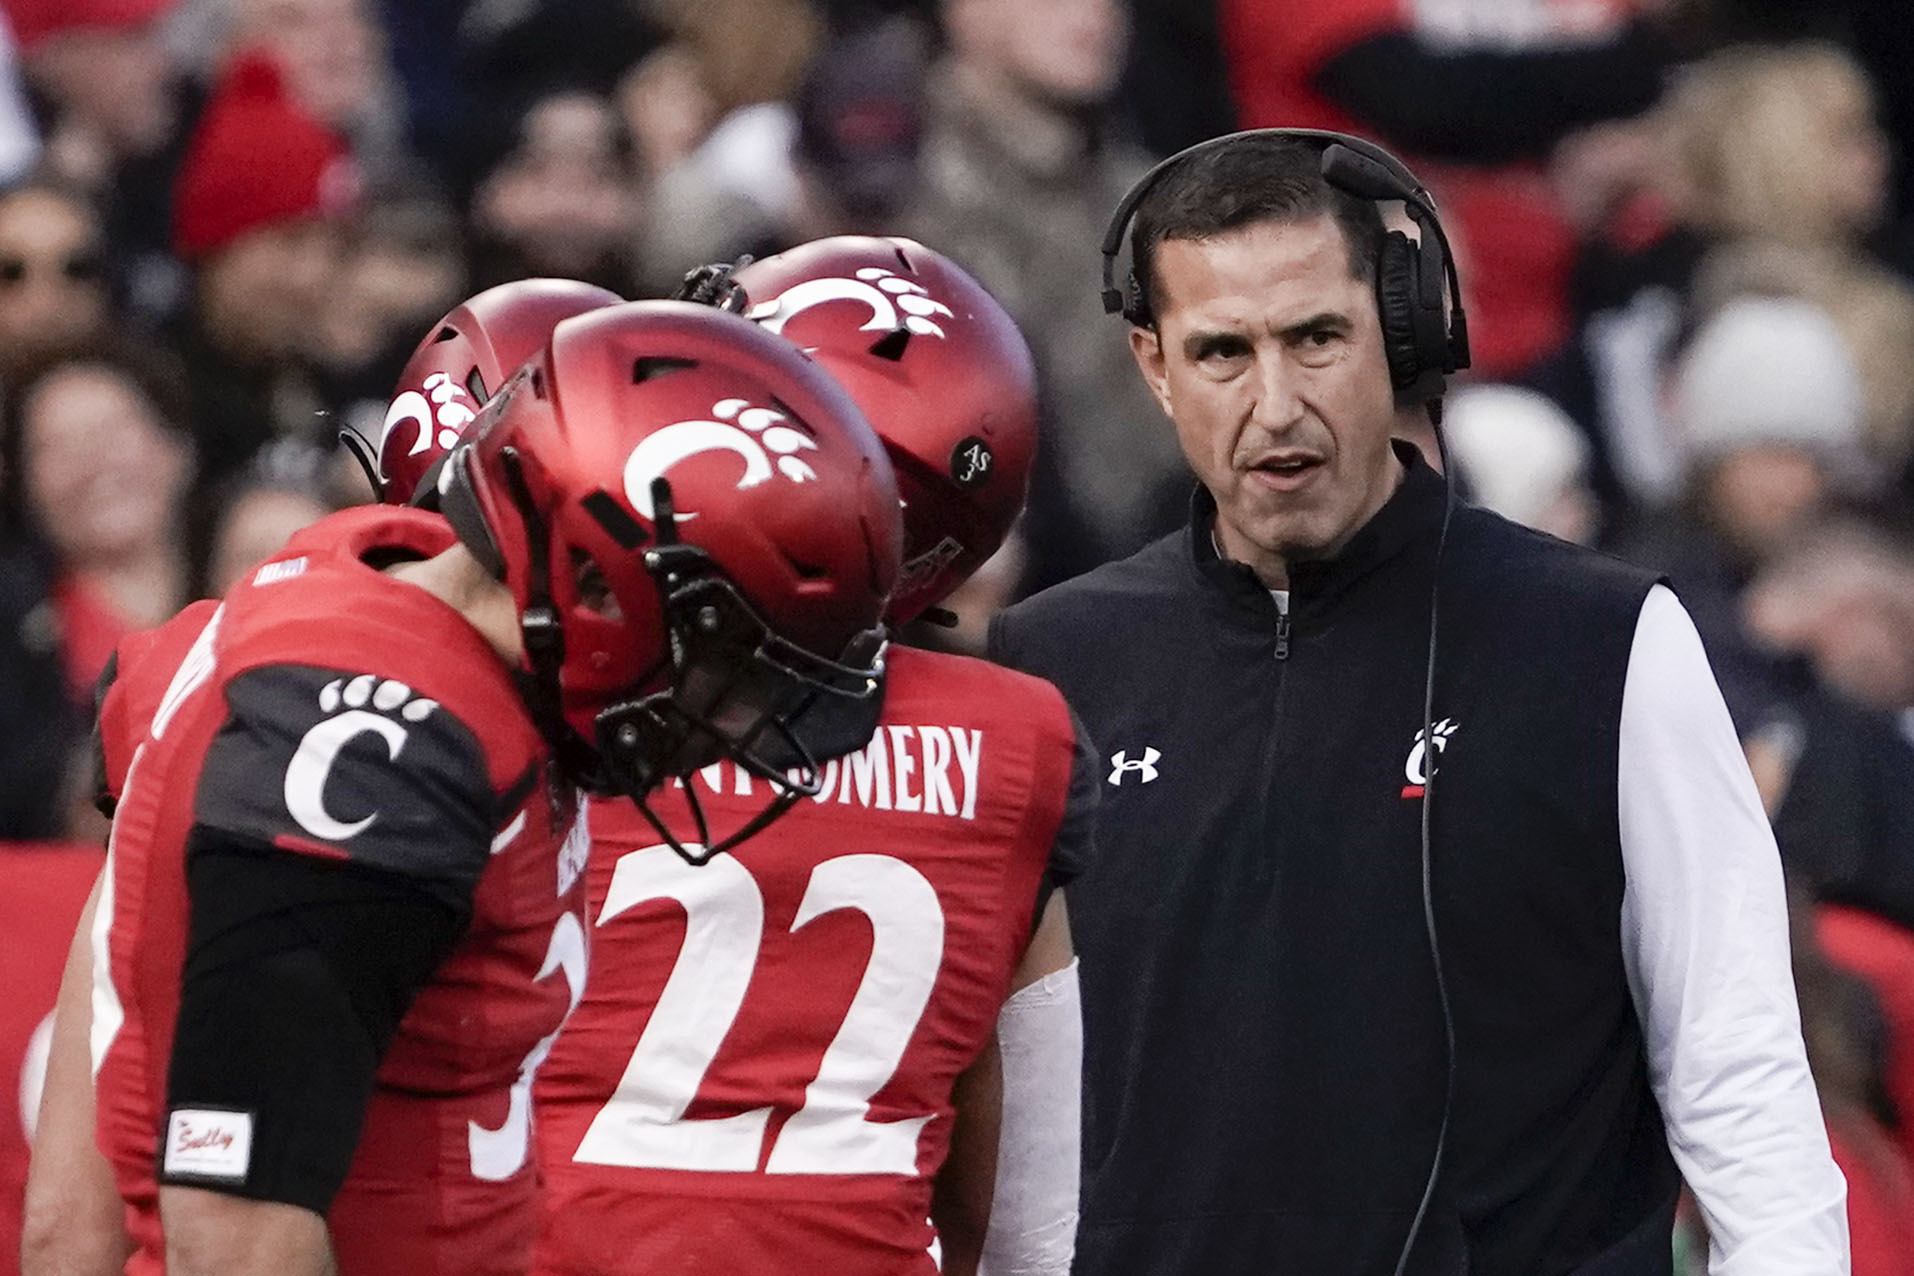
[348, 765]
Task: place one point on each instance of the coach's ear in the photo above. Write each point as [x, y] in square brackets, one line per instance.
[1147, 345]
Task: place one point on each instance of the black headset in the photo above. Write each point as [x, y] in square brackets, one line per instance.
[1424, 340]
[1425, 335]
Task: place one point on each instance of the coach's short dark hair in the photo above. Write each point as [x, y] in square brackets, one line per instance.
[1253, 179]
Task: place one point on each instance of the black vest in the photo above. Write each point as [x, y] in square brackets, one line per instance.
[1264, 1046]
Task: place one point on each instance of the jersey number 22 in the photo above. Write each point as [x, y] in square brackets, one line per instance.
[644, 1123]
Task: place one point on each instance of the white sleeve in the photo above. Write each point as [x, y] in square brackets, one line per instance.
[1033, 1210]
[1705, 942]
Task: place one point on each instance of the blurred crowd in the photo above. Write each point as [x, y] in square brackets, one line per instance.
[1685, 230]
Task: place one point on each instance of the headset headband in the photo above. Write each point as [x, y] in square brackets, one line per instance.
[1351, 165]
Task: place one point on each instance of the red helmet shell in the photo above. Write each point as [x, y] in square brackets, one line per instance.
[464, 359]
[941, 372]
[774, 473]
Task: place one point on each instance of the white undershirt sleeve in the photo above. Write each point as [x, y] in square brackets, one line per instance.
[1705, 942]
[1033, 1213]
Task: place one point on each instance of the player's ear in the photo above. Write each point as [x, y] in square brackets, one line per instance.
[1147, 345]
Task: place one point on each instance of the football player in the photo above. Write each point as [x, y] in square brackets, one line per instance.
[340, 923]
[795, 1057]
[462, 360]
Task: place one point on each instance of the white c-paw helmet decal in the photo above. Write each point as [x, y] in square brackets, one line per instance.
[758, 435]
[443, 408]
[884, 291]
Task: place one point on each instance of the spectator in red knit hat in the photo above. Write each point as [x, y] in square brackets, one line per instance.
[106, 83]
[257, 215]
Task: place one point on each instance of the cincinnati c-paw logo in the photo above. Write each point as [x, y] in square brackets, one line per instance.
[1416, 769]
[438, 415]
[884, 291]
[370, 706]
[757, 435]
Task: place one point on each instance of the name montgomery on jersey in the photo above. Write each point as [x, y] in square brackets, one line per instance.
[923, 769]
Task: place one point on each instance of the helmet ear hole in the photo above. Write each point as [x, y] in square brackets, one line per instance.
[807, 571]
[651, 368]
[892, 344]
[594, 588]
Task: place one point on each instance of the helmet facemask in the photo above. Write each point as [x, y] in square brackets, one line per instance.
[737, 691]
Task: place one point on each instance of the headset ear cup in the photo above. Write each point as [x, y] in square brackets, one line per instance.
[1133, 308]
[1396, 304]
[459, 503]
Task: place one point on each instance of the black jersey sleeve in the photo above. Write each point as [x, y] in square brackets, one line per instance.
[298, 970]
[1072, 850]
[350, 766]
[1072, 846]
[999, 646]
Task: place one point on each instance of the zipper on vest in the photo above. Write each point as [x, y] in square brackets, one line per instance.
[1282, 635]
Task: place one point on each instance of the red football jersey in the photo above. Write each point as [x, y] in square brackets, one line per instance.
[759, 1077]
[329, 710]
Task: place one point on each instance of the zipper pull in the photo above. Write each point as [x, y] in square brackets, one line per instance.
[1282, 635]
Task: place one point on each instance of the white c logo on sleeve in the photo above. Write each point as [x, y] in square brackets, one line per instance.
[306, 774]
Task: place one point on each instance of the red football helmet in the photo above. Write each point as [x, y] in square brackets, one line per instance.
[700, 531]
[943, 376]
[463, 361]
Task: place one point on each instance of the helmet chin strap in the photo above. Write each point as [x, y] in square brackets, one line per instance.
[544, 638]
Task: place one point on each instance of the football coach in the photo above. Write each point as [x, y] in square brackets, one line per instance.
[1437, 927]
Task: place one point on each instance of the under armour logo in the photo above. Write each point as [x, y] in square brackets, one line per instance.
[1145, 766]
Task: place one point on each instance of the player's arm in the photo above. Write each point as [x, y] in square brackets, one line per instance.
[311, 929]
[960, 1196]
[1006, 1199]
[1008, 1190]
[297, 974]
[72, 1224]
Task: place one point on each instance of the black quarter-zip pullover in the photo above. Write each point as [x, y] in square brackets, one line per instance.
[1264, 1073]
